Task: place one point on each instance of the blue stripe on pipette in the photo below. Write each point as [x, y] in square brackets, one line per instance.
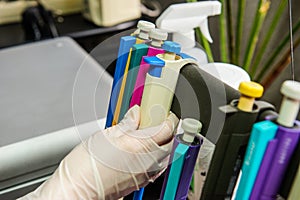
[126, 43]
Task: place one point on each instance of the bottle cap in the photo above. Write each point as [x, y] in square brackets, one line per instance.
[173, 47]
[251, 89]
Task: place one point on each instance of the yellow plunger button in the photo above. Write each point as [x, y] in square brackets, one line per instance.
[249, 91]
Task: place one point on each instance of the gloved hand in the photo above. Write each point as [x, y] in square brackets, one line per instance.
[111, 163]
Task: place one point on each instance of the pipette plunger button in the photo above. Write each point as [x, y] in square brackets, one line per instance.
[191, 128]
[145, 27]
[249, 91]
[157, 36]
[290, 104]
[291, 89]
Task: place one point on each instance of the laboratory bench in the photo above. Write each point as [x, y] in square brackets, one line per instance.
[73, 25]
[85, 33]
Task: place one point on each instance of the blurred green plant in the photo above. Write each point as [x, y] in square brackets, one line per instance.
[261, 67]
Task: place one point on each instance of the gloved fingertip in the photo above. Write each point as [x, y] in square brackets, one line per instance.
[167, 147]
[166, 131]
[158, 173]
[134, 113]
[172, 121]
[132, 118]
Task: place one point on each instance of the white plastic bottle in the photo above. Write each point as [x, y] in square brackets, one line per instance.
[181, 19]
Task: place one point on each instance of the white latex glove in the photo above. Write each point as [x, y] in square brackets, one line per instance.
[111, 163]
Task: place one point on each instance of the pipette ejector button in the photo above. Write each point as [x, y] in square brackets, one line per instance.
[156, 65]
[173, 47]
